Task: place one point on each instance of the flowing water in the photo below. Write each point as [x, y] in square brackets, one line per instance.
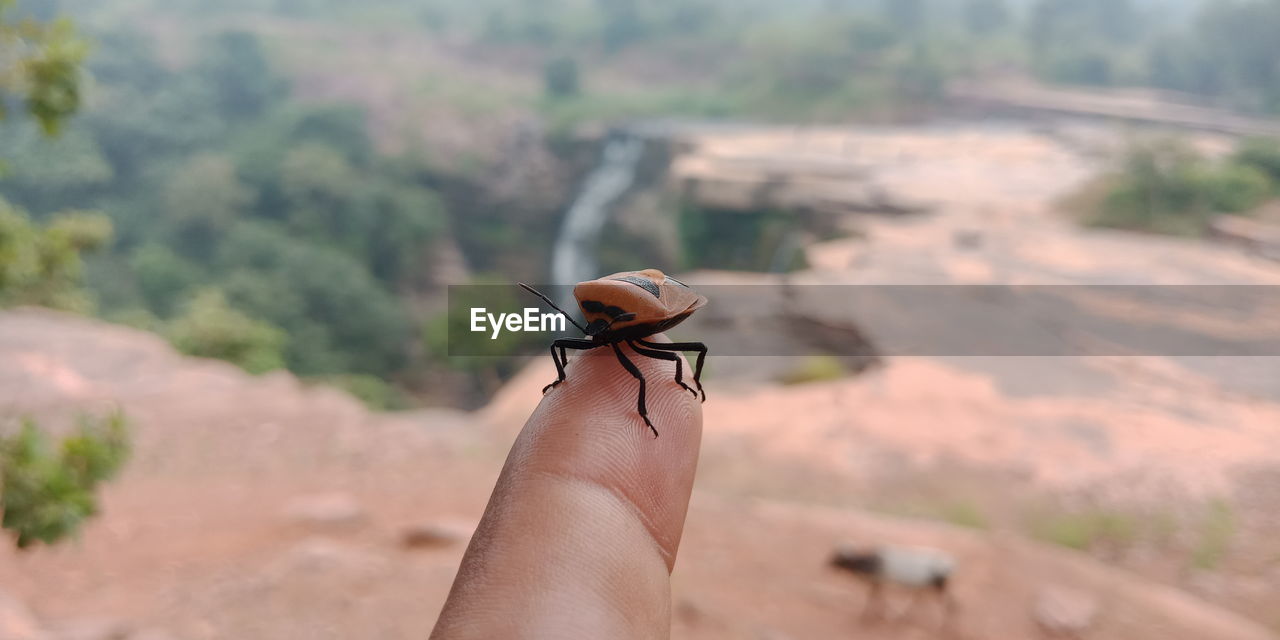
[573, 259]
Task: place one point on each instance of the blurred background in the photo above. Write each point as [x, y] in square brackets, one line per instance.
[227, 230]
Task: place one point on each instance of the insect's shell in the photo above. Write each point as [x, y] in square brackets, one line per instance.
[658, 301]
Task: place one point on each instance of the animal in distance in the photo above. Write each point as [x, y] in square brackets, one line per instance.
[918, 569]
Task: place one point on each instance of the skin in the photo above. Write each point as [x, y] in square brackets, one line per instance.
[581, 532]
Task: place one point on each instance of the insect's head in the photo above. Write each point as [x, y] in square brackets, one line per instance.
[600, 325]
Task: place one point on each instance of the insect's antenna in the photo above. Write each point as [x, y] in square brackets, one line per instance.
[553, 305]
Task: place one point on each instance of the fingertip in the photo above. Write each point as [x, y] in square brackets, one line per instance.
[590, 427]
[588, 512]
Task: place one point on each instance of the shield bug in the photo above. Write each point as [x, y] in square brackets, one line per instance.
[629, 307]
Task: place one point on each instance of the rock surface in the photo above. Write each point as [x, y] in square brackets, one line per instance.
[435, 535]
[1064, 611]
[17, 622]
[326, 512]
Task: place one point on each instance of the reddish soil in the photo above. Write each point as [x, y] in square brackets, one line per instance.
[195, 540]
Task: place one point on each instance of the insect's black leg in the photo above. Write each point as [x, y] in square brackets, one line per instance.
[562, 361]
[698, 347]
[665, 355]
[559, 369]
[631, 368]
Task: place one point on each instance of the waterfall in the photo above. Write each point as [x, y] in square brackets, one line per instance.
[573, 259]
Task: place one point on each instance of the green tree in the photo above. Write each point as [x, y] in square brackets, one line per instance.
[144, 113]
[47, 174]
[47, 492]
[1166, 187]
[906, 16]
[202, 200]
[40, 64]
[560, 77]
[1080, 41]
[163, 278]
[1056, 23]
[869, 39]
[406, 219]
[1262, 154]
[1237, 40]
[236, 66]
[210, 328]
[623, 25]
[339, 319]
[41, 265]
[321, 189]
[1236, 188]
[985, 17]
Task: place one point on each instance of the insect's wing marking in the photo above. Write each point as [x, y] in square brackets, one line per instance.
[697, 304]
[680, 299]
[643, 283]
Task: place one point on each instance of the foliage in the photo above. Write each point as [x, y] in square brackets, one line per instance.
[623, 23]
[964, 514]
[1235, 188]
[163, 277]
[1262, 154]
[339, 320]
[48, 174]
[375, 393]
[1087, 529]
[40, 63]
[560, 77]
[985, 17]
[210, 328]
[1081, 41]
[1227, 54]
[319, 186]
[201, 201]
[46, 493]
[243, 82]
[906, 16]
[724, 239]
[1166, 187]
[41, 264]
[216, 180]
[1216, 531]
[815, 369]
[960, 512]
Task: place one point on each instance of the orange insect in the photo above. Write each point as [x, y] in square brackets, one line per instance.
[629, 307]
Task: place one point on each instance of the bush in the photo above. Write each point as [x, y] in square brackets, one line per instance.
[560, 77]
[1086, 530]
[815, 369]
[1262, 154]
[1236, 188]
[47, 493]
[1216, 531]
[338, 318]
[42, 265]
[1165, 187]
[373, 391]
[959, 512]
[163, 277]
[210, 328]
